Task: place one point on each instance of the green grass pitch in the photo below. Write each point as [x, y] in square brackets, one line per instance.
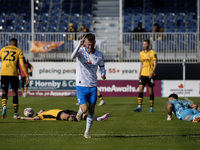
[124, 130]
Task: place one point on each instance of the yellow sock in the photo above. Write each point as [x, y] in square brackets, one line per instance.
[4, 102]
[151, 103]
[15, 107]
[140, 100]
[22, 90]
[26, 89]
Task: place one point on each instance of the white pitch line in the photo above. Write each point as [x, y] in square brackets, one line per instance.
[104, 135]
[187, 99]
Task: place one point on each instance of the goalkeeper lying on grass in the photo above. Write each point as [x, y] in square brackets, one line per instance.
[57, 114]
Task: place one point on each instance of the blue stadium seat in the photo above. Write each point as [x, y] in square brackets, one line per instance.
[9, 29]
[181, 24]
[161, 24]
[127, 27]
[171, 25]
[138, 17]
[191, 16]
[75, 18]
[44, 17]
[149, 17]
[86, 19]
[62, 29]
[127, 14]
[127, 18]
[41, 29]
[170, 16]
[53, 19]
[42, 24]
[160, 17]
[148, 26]
[87, 25]
[180, 16]
[192, 25]
[11, 16]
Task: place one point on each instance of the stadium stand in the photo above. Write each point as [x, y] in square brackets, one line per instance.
[101, 17]
[170, 15]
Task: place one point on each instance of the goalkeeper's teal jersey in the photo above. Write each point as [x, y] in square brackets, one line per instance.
[179, 106]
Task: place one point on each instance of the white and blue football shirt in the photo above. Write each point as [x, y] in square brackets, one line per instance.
[87, 65]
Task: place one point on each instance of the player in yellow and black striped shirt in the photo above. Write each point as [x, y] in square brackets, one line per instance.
[148, 60]
[58, 114]
[10, 58]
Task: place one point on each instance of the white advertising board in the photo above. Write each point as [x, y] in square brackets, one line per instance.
[192, 88]
[54, 70]
[67, 70]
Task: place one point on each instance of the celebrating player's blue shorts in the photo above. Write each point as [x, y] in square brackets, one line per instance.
[86, 94]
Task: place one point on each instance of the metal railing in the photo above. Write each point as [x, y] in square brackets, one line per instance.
[170, 47]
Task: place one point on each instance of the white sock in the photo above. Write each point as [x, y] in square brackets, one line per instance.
[140, 106]
[80, 111]
[89, 122]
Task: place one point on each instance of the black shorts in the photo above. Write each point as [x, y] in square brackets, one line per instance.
[23, 81]
[13, 80]
[70, 112]
[145, 80]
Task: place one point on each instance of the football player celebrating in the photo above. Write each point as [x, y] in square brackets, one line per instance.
[87, 61]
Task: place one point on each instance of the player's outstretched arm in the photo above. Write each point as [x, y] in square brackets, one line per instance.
[27, 118]
[169, 111]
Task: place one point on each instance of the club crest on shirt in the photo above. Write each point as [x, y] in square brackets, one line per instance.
[148, 56]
